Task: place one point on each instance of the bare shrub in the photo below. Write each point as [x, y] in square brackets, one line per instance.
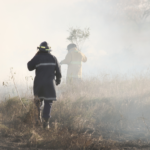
[78, 36]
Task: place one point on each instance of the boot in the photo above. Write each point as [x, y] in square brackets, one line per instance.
[38, 111]
[39, 119]
[46, 123]
[40, 115]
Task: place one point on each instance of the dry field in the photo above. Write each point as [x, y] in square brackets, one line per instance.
[99, 114]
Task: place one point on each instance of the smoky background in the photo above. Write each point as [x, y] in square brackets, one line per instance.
[120, 39]
[113, 99]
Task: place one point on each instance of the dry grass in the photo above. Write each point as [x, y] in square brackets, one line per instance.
[97, 114]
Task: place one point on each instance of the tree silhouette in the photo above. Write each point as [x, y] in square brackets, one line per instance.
[78, 36]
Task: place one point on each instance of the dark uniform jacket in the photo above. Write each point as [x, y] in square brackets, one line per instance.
[47, 68]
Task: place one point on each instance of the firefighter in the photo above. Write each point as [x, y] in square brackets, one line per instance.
[73, 59]
[48, 74]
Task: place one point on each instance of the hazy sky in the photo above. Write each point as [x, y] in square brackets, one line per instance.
[118, 42]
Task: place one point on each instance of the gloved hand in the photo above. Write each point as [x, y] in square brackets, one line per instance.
[58, 81]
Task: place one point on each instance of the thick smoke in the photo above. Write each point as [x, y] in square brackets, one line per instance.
[119, 42]
[123, 33]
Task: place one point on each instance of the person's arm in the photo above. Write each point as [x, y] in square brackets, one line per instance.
[32, 63]
[67, 59]
[84, 58]
[57, 72]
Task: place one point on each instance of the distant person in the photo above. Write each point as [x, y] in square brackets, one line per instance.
[74, 59]
[47, 68]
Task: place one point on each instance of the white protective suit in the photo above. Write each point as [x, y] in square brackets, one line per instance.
[74, 59]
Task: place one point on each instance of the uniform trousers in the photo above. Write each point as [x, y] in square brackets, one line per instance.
[47, 108]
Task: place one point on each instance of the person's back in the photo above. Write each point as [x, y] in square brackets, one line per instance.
[45, 65]
[74, 59]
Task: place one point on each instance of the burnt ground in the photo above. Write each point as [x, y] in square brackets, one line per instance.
[11, 143]
[18, 143]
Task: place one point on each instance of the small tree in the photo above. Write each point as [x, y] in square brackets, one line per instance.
[78, 36]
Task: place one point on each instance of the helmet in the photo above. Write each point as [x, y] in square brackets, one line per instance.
[44, 46]
[71, 46]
